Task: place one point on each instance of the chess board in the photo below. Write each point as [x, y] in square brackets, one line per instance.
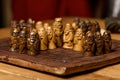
[59, 61]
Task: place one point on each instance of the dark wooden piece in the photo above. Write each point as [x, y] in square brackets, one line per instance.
[59, 61]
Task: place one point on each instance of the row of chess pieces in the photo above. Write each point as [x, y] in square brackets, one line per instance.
[80, 35]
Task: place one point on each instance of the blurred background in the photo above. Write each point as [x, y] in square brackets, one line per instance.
[49, 9]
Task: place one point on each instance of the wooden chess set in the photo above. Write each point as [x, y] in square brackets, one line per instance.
[57, 48]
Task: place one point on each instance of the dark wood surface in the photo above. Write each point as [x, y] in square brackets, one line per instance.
[59, 61]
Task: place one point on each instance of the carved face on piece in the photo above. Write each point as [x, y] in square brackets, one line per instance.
[68, 27]
[107, 35]
[79, 33]
[38, 25]
[22, 34]
[46, 26]
[89, 36]
[42, 32]
[98, 35]
[15, 32]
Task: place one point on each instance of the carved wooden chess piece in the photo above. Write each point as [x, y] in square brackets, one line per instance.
[58, 30]
[14, 40]
[68, 37]
[89, 44]
[51, 38]
[78, 40]
[22, 41]
[107, 41]
[33, 44]
[99, 43]
[43, 38]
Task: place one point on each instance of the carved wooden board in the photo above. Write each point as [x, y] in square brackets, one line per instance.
[59, 61]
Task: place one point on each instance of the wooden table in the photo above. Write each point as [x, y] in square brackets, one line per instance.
[11, 72]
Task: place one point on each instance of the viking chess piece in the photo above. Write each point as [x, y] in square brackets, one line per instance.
[43, 38]
[51, 38]
[33, 43]
[14, 40]
[22, 41]
[58, 30]
[78, 40]
[68, 37]
[99, 43]
[89, 44]
[107, 41]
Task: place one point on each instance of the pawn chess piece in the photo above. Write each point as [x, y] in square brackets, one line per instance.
[51, 38]
[33, 43]
[99, 43]
[107, 41]
[22, 41]
[78, 40]
[14, 40]
[43, 38]
[89, 45]
[58, 30]
[68, 37]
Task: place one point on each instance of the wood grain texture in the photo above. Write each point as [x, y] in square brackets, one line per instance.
[59, 61]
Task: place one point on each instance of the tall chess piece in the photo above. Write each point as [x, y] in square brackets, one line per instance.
[51, 38]
[58, 30]
[14, 40]
[68, 37]
[43, 38]
[22, 41]
[78, 40]
[107, 41]
[99, 43]
[89, 44]
[33, 43]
